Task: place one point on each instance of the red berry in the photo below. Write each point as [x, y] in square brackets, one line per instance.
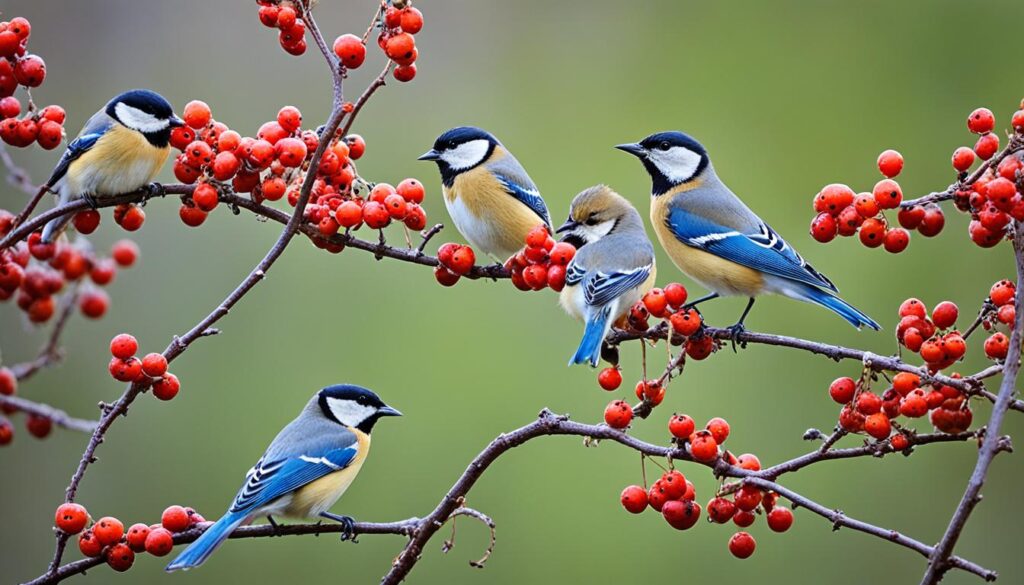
[944, 315]
[125, 253]
[562, 253]
[120, 557]
[824, 227]
[166, 387]
[868, 403]
[159, 542]
[748, 498]
[71, 518]
[87, 221]
[89, 544]
[899, 442]
[30, 71]
[656, 302]
[890, 163]
[400, 46]
[703, 446]
[634, 499]
[175, 519]
[681, 514]
[154, 365]
[356, 145]
[842, 389]
[914, 405]
[462, 260]
[896, 240]
[137, 535]
[376, 215]
[780, 519]
[906, 382]
[396, 206]
[986, 146]
[742, 545]
[676, 295]
[719, 429]
[411, 20]
[290, 151]
[618, 414]
[910, 217]
[686, 323]
[872, 233]
[610, 378]
[205, 196]
[877, 425]
[412, 190]
[108, 530]
[997, 346]
[1002, 293]
[866, 205]
[743, 518]
[351, 50]
[197, 114]
[834, 198]
[8, 382]
[721, 510]
[913, 307]
[289, 118]
[749, 461]
[349, 214]
[963, 158]
[887, 194]
[981, 121]
[444, 276]
[681, 426]
[125, 370]
[656, 496]
[404, 73]
[191, 215]
[123, 346]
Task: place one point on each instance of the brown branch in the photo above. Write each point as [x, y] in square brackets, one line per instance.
[939, 559]
[59, 417]
[1013, 145]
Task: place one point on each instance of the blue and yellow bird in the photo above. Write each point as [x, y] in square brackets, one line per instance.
[612, 269]
[121, 149]
[491, 199]
[713, 237]
[306, 468]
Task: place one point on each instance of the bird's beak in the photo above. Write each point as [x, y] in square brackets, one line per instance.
[569, 225]
[430, 155]
[176, 122]
[388, 411]
[632, 148]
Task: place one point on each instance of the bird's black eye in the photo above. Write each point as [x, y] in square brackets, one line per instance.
[664, 146]
[592, 220]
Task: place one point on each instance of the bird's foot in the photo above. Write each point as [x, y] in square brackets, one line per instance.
[91, 201]
[152, 190]
[348, 526]
[274, 525]
[734, 335]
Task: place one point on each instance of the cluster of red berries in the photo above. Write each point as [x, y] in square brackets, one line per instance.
[674, 496]
[866, 412]
[126, 367]
[845, 213]
[541, 263]
[1002, 297]
[285, 16]
[923, 335]
[342, 208]
[108, 538]
[994, 199]
[18, 67]
[37, 272]
[37, 426]
[454, 261]
[398, 25]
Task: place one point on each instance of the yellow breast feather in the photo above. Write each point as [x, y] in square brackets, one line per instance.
[487, 214]
[121, 161]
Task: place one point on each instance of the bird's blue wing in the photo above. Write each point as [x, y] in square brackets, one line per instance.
[528, 195]
[96, 127]
[601, 288]
[763, 250]
[269, 480]
[574, 274]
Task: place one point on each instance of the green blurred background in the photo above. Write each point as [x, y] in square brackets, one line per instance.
[787, 96]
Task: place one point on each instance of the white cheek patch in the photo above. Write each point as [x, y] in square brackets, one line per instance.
[678, 164]
[593, 233]
[136, 119]
[466, 155]
[349, 412]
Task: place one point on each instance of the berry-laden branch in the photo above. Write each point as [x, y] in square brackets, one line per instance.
[939, 559]
[421, 530]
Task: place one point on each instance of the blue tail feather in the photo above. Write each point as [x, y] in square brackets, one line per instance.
[203, 547]
[590, 346]
[845, 310]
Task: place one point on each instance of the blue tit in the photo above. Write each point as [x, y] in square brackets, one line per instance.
[612, 269]
[121, 149]
[717, 240]
[306, 468]
[489, 196]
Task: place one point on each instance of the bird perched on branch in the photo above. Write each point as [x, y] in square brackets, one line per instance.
[717, 240]
[612, 270]
[121, 149]
[491, 199]
[306, 468]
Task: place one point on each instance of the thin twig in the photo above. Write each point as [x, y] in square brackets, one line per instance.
[59, 417]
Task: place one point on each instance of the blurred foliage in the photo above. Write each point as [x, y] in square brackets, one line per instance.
[787, 96]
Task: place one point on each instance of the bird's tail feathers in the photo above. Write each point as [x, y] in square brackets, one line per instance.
[590, 346]
[54, 228]
[200, 550]
[845, 310]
